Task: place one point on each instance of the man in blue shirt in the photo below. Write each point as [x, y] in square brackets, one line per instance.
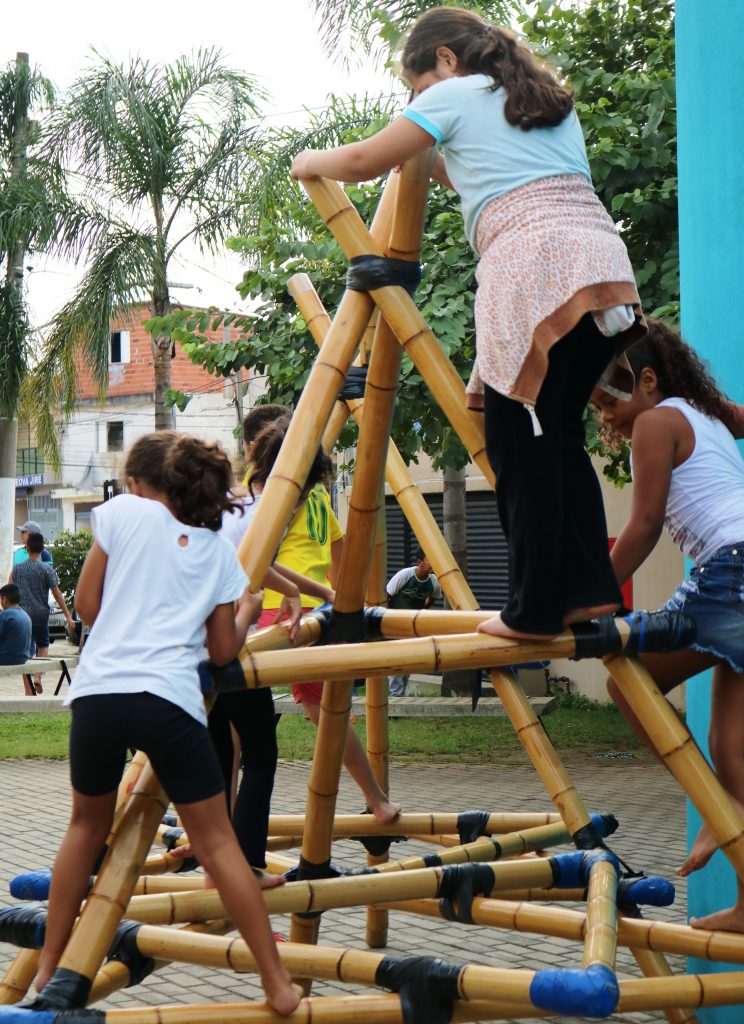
[15, 630]
[30, 526]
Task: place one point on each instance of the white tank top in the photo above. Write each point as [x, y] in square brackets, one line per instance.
[705, 507]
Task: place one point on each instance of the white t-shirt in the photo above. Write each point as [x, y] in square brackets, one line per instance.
[157, 596]
[234, 524]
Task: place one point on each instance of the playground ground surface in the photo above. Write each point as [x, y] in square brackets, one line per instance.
[34, 799]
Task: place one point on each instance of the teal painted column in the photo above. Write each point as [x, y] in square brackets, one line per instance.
[710, 87]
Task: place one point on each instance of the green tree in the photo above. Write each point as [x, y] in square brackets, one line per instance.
[619, 58]
[37, 213]
[70, 550]
[163, 150]
[275, 340]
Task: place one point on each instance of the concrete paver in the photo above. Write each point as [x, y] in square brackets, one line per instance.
[34, 803]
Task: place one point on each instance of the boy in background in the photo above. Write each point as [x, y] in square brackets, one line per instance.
[15, 631]
[414, 587]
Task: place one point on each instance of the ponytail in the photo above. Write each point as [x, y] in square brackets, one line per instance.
[194, 475]
[534, 96]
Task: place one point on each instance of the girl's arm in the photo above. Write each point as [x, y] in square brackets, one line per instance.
[439, 172]
[304, 584]
[89, 591]
[227, 629]
[654, 447]
[337, 550]
[739, 414]
[360, 161]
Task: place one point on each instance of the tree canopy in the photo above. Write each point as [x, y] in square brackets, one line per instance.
[619, 58]
[162, 150]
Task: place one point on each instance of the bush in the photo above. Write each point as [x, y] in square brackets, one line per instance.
[69, 553]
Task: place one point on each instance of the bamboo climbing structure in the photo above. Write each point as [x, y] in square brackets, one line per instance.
[509, 864]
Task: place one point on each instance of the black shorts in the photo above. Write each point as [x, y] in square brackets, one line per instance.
[105, 726]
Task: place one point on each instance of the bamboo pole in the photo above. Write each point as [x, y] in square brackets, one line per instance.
[682, 757]
[445, 384]
[476, 983]
[407, 324]
[394, 881]
[115, 975]
[401, 483]
[113, 887]
[653, 965]
[364, 507]
[285, 483]
[19, 975]
[600, 944]
[420, 654]
[345, 825]
[372, 1009]
[563, 923]
[378, 739]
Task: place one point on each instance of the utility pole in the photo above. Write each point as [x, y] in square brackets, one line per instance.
[14, 281]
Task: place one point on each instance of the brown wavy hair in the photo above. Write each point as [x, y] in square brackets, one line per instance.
[266, 446]
[680, 371]
[534, 96]
[195, 475]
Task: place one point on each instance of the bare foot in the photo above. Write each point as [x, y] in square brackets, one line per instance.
[496, 627]
[282, 994]
[730, 920]
[386, 811]
[43, 974]
[703, 848]
[264, 879]
[38, 687]
[268, 881]
[592, 612]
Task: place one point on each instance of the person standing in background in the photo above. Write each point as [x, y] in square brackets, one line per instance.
[414, 587]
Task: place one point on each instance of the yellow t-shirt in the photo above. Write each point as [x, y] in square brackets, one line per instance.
[306, 546]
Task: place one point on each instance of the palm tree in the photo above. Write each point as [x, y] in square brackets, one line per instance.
[374, 27]
[37, 213]
[164, 149]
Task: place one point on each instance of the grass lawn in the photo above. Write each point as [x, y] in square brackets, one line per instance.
[588, 729]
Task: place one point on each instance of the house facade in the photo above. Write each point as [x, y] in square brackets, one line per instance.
[93, 441]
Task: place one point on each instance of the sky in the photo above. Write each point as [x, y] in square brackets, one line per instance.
[278, 41]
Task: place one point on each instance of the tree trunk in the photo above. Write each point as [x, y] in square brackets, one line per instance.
[460, 682]
[162, 354]
[14, 279]
[8, 434]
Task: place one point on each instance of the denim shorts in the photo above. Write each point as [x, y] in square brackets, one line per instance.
[40, 630]
[713, 596]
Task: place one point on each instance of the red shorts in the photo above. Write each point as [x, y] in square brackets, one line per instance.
[308, 693]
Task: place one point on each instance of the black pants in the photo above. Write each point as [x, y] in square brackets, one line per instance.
[252, 714]
[548, 495]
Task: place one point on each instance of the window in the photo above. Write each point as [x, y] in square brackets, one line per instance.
[115, 436]
[119, 347]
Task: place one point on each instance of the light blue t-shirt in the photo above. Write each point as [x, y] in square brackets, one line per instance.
[485, 156]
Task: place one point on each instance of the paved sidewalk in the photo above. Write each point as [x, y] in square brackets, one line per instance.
[34, 803]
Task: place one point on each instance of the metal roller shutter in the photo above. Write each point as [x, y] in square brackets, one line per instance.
[488, 560]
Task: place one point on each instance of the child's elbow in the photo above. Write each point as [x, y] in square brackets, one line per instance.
[221, 653]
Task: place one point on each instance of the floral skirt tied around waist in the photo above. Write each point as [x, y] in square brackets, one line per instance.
[551, 262]
[550, 254]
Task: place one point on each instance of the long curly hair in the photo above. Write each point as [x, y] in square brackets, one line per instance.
[195, 475]
[265, 451]
[680, 371]
[534, 96]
